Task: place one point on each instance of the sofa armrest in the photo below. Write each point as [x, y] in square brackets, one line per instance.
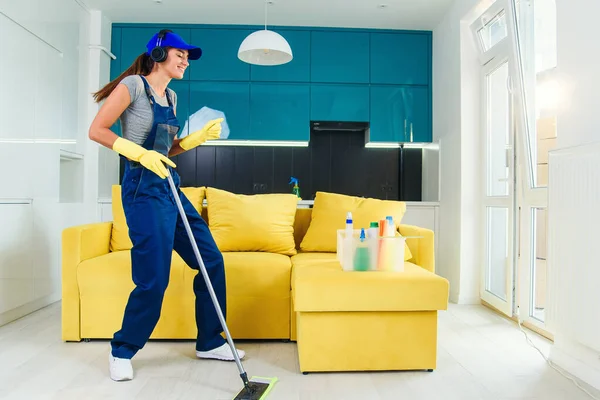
[79, 243]
[421, 247]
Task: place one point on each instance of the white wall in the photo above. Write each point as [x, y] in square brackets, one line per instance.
[46, 82]
[578, 67]
[456, 124]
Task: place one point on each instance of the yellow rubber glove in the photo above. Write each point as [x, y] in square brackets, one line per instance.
[210, 131]
[150, 159]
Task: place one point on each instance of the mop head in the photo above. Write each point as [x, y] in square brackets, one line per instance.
[259, 388]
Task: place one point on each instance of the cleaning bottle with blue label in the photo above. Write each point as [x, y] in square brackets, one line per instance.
[295, 188]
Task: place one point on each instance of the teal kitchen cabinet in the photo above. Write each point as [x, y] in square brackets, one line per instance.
[338, 102]
[230, 97]
[297, 70]
[388, 117]
[418, 114]
[134, 40]
[400, 58]
[219, 59]
[339, 57]
[400, 114]
[279, 111]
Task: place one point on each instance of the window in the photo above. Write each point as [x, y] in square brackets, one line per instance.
[493, 31]
[543, 91]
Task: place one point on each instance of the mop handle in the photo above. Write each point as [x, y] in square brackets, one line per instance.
[206, 277]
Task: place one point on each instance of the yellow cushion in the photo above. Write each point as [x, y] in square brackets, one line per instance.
[119, 239]
[110, 275]
[325, 287]
[258, 274]
[258, 294]
[262, 222]
[195, 195]
[105, 284]
[302, 259]
[329, 214]
[313, 260]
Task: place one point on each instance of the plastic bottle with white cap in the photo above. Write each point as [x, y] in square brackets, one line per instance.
[348, 245]
[349, 225]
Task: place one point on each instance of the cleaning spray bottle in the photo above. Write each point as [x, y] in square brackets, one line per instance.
[296, 188]
[361, 254]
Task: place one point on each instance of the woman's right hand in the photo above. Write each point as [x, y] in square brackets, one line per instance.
[155, 162]
[151, 159]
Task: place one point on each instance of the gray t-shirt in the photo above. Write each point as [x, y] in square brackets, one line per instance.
[136, 120]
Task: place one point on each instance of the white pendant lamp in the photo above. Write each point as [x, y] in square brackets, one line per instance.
[265, 47]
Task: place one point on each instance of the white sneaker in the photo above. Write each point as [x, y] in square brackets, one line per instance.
[221, 353]
[120, 368]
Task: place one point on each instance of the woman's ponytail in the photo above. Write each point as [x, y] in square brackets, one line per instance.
[141, 66]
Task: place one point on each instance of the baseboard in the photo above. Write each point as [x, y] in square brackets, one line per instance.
[577, 360]
[25, 309]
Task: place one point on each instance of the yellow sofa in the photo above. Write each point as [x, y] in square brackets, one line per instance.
[340, 320]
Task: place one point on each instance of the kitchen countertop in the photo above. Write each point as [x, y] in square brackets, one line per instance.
[309, 203]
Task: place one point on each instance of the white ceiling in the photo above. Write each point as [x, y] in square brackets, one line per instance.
[398, 14]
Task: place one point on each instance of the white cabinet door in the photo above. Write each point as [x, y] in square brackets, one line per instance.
[16, 266]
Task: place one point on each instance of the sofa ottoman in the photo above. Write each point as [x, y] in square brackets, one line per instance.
[361, 321]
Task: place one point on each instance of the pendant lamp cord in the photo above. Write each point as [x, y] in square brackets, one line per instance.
[266, 5]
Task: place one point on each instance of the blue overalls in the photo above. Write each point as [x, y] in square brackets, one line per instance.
[156, 229]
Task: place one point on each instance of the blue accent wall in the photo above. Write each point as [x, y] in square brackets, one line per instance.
[378, 76]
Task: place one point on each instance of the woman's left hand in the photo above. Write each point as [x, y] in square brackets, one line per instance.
[210, 131]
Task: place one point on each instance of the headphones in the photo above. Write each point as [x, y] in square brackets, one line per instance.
[159, 53]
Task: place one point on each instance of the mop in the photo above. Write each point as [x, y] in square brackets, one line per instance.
[255, 388]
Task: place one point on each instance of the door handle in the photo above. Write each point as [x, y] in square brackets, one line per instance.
[509, 84]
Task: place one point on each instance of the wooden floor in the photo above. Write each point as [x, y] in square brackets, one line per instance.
[481, 356]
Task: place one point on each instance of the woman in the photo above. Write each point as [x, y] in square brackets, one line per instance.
[146, 108]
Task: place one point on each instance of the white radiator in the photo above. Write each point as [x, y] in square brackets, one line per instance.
[574, 244]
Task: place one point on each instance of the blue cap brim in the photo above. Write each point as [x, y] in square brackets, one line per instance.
[194, 53]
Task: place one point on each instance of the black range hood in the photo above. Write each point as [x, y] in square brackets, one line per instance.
[338, 126]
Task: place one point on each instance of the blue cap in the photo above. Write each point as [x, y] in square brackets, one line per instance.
[171, 39]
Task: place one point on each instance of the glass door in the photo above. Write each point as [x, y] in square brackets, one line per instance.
[537, 49]
[498, 263]
[499, 211]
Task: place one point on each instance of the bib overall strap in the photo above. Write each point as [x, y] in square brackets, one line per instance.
[148, 91]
